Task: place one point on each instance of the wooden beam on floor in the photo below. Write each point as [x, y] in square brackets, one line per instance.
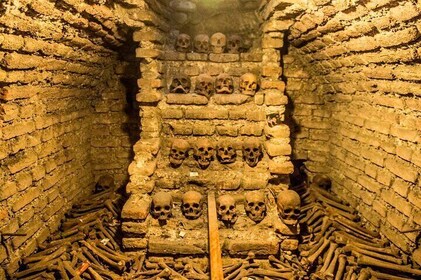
[215, 257]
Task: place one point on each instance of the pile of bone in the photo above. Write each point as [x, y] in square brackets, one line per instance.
[202, 43]
[222, 84]
[169, 268]
[87, 246]
[336, 245]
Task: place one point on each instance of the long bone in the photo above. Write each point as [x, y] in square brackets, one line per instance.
[352, 232]
[327, 194]
[335, 212]
[385, 276]
[325, 226]
[364, 274]
[329, 272]
[350, 248]
[163, 265]
[370, 261]
[333, 203]
[346, 236]
[312, 258]
[380, 250]
[270, 273]
[356, 227]
[341, 267]
[328, 257]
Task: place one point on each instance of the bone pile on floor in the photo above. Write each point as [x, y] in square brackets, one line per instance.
[86, 247]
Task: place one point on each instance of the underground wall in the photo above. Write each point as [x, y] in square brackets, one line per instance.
[344, 76]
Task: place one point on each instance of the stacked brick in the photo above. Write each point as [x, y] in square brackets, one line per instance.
[354, 69]
[232, 118]
[57, 61]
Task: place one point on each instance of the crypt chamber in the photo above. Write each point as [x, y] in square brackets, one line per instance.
[210, 139]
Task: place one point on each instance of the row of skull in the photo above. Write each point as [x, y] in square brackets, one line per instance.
[288, 205]
[206, 85]
[202, 43]
[204, 152]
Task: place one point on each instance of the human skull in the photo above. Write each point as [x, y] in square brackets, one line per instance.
[252, 152]
[161, 206]
[180, 84]
[201, 43]
[225, 152]
[105, 182]
[204, 153]
[179, 152]
[289, 204]
[255, 206]
[204, 85]
[248, 84]
[233, 44]
[218, 42]
[192, 205]
[226, 209]
[322, 181]
[273, 119]
[224, 84]
[182, 44]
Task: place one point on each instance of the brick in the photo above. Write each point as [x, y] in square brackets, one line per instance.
[7, 190]
[224, 57]
[280, 167]
[25, 215]
[148, 96]
[267, 84]
[272, 43]
[147, 53]
[230, 99]
[401, 169]
[30, 229]
[186, 99]
[137, 207]
[197, 56]
[18, 129]
[396, 219]
[252, 130]
[182, 129]
[25, 199]
[403, 133]
[277, 148]
[396, 38]
[21, 161]
[24, 180]
[251, 57]
[227, 130]
[275, 98]
[203, 130]
[206, 114]
[172, 113]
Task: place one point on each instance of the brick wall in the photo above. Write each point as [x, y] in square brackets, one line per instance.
[63, 112]
[353, 77]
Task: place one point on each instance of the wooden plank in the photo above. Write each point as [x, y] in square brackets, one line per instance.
[214, 246]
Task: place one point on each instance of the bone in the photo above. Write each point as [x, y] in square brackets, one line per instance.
[172, 272]
[95, 275]
[341, 267]
[364, 274]
[332, 203]
[328, 257]
[344, 236]
[357, 227]
[373, 254]
[370, 261]
[312, 258]
[120, 266]
[270, 273]
[380, 275]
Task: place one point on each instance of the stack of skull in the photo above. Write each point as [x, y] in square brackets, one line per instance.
[202, 43]
[206, 85]
[205, 152]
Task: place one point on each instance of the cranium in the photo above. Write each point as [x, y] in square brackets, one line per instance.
[218, 42]
[105, 182]
[273, 119]
[179, 152]
[233, 44]
[226, 209]
[322, 181]
[225, 152]
[224, 84]
[161, 206]
[201, 43]
[180, 84]
[248, 84]
[255, 206]
[288, 203]
[182, 44]
[204, 85]
[204, 153]
[252, 152]
[192, 205]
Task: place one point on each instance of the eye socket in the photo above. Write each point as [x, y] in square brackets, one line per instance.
[297, 211]
[167, 207]
[251, 204]
[261, 204]
[173, 151]
[223, 207]
[201, 149]
[288, 211]
[247, 149]
[158, 208]
[255, 149]
[221, 149]
[187, 205]
[232, 207]
[196, 205]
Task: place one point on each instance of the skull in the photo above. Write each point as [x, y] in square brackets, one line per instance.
[226, 209]
[233, 44]
[273, 119]
[201, 43]
[224, 84]
[225, 152]
[248, 84]
[289, 203]
[161, 206]
[179, 152]
[322, 181]
[255, 206]
[218, 42]
[204, 85]
[183, 43]
[180, 84]
[204, 153]
[192, 205]
[105, 182]
[252, 152]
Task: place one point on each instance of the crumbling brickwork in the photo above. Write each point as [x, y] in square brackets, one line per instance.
[63, 113]
[353, 77]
